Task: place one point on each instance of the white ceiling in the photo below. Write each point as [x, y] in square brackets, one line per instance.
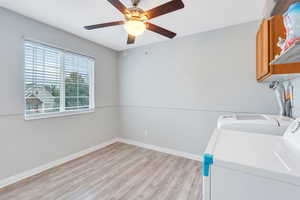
[197, 16]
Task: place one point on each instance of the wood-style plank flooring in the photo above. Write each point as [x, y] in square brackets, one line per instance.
[117, 172]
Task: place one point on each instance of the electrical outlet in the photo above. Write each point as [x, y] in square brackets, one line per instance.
[146, 132]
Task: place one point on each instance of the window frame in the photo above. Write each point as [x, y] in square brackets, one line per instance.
[63, 112]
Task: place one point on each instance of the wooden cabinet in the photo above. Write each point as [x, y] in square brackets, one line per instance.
[266, 50]
[262, 51]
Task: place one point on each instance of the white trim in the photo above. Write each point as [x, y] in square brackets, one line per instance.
[23, 113]
[161, 149]
[92, 83]
[62, 94]
[57, 114]
[37, 170]
[189, 109]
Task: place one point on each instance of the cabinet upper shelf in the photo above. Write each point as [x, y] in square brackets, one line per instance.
[292, 55]
[268, 67]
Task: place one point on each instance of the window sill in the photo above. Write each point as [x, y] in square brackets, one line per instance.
[59, 114]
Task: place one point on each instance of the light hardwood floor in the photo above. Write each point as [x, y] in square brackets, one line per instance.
[117, 172]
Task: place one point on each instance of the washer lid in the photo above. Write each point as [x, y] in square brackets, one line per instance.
[246, 120]
[262, 155]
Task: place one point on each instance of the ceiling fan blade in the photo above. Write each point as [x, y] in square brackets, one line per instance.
[120, 6]
[165, 8]
[160, 30]
[104, 25]
[131, 39]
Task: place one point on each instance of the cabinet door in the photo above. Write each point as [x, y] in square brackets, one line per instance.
[262, 51]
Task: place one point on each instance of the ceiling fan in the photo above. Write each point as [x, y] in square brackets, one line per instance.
[136, 19]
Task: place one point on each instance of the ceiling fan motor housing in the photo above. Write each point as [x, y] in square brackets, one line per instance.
[135, 2]
[136, 14]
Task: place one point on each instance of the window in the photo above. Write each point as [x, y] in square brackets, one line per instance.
[57, 82]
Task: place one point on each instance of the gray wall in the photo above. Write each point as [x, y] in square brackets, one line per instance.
[172, 93]
[28, 144]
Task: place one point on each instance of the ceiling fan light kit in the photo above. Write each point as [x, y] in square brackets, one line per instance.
[135, 27]
[135, 19]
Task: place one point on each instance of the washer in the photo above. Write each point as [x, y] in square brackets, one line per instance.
[265, 124]
[240, 165]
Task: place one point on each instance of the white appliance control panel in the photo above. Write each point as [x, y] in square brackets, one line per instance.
[255, 123]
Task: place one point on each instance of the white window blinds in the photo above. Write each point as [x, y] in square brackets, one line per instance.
[56, 81]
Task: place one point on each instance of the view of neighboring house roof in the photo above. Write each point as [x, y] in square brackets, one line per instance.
[33, 100]
[38, 94]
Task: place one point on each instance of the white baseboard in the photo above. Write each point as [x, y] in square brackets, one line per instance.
[161, 149]
[37, 170]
